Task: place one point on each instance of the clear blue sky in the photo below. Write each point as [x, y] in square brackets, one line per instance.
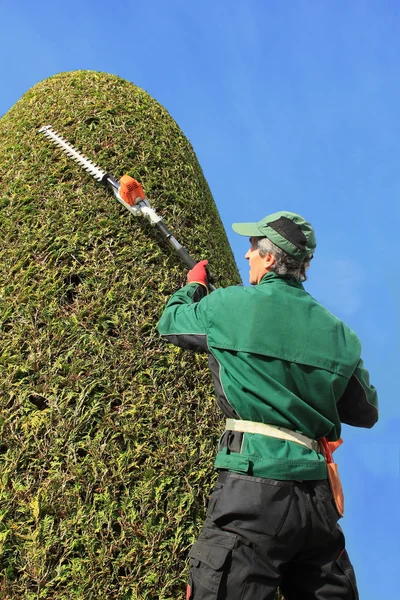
[289, 105]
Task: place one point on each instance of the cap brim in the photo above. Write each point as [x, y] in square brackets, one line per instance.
[247, 229]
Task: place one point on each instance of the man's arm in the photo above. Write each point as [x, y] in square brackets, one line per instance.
[184, 320]
[359, 404]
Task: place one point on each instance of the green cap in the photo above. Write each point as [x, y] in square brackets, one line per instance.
[287, 230]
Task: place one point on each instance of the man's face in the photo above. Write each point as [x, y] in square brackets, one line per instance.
[259, 265]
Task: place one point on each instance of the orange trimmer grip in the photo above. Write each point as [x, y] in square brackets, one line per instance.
[130, 190]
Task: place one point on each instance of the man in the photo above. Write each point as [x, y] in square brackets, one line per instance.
[286, 374]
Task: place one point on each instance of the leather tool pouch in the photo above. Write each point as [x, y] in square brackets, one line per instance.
[336, 487]
[333, 477]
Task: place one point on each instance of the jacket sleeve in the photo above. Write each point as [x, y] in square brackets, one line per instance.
[359, 404]
[184, 320]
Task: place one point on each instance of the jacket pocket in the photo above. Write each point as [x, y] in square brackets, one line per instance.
[233, 461]
[209, 560]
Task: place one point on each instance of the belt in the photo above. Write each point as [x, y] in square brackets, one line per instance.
[271, 431]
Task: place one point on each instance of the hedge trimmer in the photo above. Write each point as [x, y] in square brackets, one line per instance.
[127, 191]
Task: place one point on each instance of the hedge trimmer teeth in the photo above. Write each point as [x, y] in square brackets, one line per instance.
[78, 157]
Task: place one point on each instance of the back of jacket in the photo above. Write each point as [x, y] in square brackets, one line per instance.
[278, 357]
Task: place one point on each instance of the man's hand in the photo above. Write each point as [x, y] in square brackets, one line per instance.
[199, 274]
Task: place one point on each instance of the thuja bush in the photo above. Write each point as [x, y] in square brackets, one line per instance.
[107, 432]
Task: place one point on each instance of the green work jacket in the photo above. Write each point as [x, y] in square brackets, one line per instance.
[279, 357]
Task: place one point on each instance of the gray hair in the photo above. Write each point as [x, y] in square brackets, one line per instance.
[284, 263]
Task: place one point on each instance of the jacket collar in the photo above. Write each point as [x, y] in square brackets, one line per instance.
[280, 280]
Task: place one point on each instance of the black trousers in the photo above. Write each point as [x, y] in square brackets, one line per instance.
[261, 534]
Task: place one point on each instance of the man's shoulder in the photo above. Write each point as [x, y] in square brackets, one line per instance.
[345, 335]
[232, 292]
[232, 300]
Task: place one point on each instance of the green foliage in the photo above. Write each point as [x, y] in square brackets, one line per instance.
[107, 433]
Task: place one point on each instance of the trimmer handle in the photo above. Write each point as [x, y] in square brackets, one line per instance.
[131, 192]
[190, 263]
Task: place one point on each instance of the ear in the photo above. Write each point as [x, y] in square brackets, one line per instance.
[269, 260]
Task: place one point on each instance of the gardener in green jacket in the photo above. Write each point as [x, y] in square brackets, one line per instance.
[287, 373]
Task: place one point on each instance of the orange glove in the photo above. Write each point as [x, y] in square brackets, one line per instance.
[199, 274]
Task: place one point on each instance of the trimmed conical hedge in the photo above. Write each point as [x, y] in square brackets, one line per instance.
[107, 433]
